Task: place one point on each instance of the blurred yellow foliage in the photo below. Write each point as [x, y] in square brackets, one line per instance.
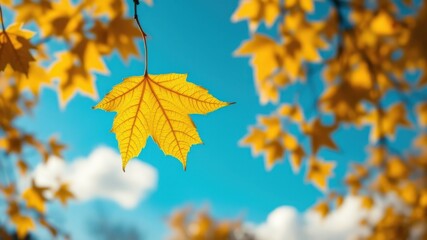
[353, 58]
[89, 30]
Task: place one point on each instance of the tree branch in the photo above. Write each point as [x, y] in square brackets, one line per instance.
[144, 35]
[1, 19]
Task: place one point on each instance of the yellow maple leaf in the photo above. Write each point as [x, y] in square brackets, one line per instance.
[15, 48]
[383, 24]
[157, 105]
[296, 157]
[63, 194]
[34, 197]
[385, 122]
[320, 135]
[63, 20]
[293, 112]
[119, 33]
[256, 11]
[273, 126]
[322, 209]
[255, 139]
[110, 8]
[32, 81]
[274, 152]
[266, 55]
[56, 148]
[24, 224]
[29, 10]
[319, 171]
[76, 78]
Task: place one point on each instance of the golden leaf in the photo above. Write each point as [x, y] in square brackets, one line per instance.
[339, 201]
[293, 112]
[24, 224]
[367, 202]
[34, 197]
[421, 142]
[396, 168]
[273, 152]
[384, 123]
[383, 24]
[256, 11]
[63, 20]
[157, 105]
[76, 78]
[266, 54]
[353, 182]
[109, 8]
[255, 139]
[56, 148]
[378, 156]
[15, 48]
[272, 126]
[118, 34]
[320, 135]
[296, 157]
[322, 209]
[29, 10]
[319, 171]
[8, 190]
[63, 194]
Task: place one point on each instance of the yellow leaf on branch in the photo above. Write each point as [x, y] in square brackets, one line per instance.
[157, 106]
[15, 48]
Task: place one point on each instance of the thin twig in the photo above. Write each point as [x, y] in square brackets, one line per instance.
[1, 19]
[144, 35]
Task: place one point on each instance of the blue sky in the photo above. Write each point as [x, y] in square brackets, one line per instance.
[198, 38]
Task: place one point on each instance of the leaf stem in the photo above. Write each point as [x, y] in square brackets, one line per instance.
[144, 35]
[1, 19]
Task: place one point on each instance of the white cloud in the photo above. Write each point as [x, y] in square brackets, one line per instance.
[100, 176]
[343, 223]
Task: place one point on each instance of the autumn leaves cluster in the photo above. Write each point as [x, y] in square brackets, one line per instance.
[189, 224]
[352, 58]
[62, 51]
